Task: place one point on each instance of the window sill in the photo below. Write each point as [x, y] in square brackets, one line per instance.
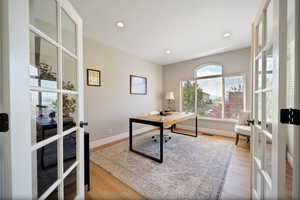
[218, 120]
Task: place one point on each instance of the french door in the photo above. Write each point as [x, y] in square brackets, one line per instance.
[270, 94]
[44, 100]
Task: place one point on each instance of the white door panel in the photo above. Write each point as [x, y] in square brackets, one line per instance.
[43, 67]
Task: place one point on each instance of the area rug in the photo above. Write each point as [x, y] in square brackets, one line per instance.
[193, 168]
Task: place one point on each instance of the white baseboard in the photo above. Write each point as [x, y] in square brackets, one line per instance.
[114, 138]
[208, 130]
[290, 159]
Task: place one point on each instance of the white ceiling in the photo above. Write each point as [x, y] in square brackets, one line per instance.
[189, 28]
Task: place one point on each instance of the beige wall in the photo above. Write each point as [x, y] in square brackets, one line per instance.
[107, 108]
[237, 61]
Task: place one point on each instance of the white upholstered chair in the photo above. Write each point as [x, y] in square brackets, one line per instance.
[242, 128]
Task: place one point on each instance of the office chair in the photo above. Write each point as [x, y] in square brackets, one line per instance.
[156, 137]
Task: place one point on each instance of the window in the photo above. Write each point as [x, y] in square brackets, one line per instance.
[234, 96]
[218, 96]
[188, 96]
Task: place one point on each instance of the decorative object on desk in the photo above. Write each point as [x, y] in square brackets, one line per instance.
[138, 85]
[93, 77]
[52, 116]
[170, 97]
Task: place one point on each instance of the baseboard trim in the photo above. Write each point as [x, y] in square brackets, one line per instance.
[290, 159]
[107, 140]
[208, 130]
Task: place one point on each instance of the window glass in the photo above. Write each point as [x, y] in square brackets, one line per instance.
[234, 96]
[209, 70]
[212, 94]
[188, 96]
[209, 97]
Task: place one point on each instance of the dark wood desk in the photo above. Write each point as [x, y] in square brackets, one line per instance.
[161, 121]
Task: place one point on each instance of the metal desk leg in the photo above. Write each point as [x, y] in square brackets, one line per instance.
[196, 128]
[161, 143]
[130, 135]
[160, 159]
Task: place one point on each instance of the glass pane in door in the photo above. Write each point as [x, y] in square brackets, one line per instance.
[269, 111]
[43, 16]
[268, 156]
[259, 33]
[53, 195]
[43, 63]
[70, 143]
[68, 32]
[45, 171]
[70, 111]
[69, 73]
[269, 68]
[70, 185]
[258, 151]
[43, 115]
[269, 22]
[259, 73]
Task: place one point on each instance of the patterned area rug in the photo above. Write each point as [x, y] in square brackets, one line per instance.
[193, 168]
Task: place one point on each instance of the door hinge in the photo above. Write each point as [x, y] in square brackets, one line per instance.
[290, 116]
[4, 122]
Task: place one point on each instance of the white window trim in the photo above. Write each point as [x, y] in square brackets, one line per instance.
[223, 76]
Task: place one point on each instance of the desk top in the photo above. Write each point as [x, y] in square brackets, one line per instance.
[173, 118]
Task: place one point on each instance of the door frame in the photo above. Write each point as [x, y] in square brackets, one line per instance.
[16, 83]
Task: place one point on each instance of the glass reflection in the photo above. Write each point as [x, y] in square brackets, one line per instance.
[70, 185]
[43, 63]
[44, 115]
[69, 150]
[69, 111]
[46, 167]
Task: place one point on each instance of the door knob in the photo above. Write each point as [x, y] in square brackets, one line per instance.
[83, 124]
[251, 122]
[4, 122]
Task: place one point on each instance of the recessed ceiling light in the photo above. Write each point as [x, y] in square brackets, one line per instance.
[168, 51]
[227, 35]
[120, 24]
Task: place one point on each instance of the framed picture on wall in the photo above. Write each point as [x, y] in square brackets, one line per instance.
[138, 85]
[93, 77]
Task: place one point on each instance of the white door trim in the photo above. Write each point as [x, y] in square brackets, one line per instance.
[16, 59]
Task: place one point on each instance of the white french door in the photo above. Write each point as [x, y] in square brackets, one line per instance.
[44, 100]
[269, 141]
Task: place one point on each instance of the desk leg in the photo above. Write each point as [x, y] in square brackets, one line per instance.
[161, 143]
[196, 128]
[160, 159]
[130, 135]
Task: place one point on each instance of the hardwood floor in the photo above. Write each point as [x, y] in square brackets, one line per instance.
[236, 186]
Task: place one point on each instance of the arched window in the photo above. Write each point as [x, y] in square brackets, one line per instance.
[208, 70]
[213, 95]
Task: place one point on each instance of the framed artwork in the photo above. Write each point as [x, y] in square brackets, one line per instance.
[138, 85]
[93, 77]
